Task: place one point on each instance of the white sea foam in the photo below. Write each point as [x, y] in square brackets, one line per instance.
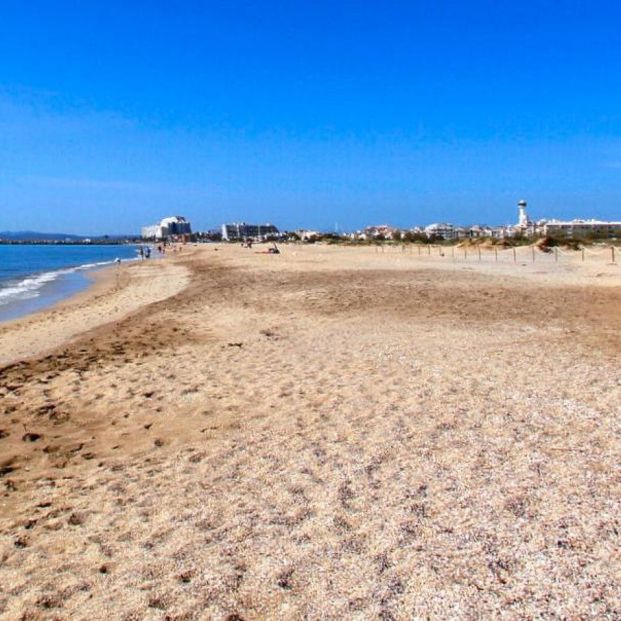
[31, 286]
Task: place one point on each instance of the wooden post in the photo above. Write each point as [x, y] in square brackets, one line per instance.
[429, 249]
[453, 252]
[612, 252]
[533, 250]
[582, 251]
[465, 253]
[514, 256]
[496, 253]
[419, 249]
[556, 254]
[479, 249]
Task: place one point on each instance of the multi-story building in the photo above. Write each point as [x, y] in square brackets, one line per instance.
[582, 228]
[441, 229]
[242, 230]
[153, 231]
[565, 228]
[173, 226]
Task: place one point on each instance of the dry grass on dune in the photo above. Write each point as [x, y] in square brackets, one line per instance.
[320, 443]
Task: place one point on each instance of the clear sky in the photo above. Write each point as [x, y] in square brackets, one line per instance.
[307, 113]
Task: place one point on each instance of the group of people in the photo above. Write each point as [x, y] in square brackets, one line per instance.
[145, 252]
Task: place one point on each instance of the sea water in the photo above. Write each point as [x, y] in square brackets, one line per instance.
[33, 277]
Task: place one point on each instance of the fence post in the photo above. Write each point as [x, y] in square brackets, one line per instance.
[612, 251]
[479, 249]
[496, 254]
[556, 254]
[453, 252]
[514, 256]
[465, 253]
[533, 250]
[582, 251]
[429, 249]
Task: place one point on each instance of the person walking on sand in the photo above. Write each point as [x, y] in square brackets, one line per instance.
[141, 253]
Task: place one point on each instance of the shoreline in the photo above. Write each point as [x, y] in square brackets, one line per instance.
[54, 293]
[103, 300]
[34, 281]
[113, 279]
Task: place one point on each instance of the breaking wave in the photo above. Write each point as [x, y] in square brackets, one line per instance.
[31, 286]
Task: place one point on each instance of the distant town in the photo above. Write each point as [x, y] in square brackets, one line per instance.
[179, 229]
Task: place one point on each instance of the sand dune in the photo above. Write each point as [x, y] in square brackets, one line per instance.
[329, 433]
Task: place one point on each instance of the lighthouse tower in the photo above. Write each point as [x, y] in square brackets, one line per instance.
[523, 218]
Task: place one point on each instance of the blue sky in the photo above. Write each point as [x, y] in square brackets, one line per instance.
[307, 113]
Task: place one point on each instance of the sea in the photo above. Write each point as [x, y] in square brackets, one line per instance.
[35, 276]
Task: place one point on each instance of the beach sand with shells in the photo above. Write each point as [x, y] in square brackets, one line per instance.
[328, 433]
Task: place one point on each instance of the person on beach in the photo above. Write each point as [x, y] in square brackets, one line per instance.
[141, 253]
[273, 250]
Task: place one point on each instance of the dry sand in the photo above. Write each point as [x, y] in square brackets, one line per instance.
[326, 434]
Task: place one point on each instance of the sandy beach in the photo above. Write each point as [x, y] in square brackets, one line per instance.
[330, 433]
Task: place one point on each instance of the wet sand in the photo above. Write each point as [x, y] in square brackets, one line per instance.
[329, 433]
[116, 291]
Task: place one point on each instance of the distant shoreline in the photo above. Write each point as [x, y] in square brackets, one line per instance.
[53, 242]
[106, 294]
[33, 285]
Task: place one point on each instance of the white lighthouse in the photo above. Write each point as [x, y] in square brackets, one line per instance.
[523, 217]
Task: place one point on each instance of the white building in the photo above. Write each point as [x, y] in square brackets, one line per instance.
[306, 235]
[565, 228]
[152, 231]
[441, 229]
[380, 231]
[243, 230]
[582, 228]
[168, 227]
